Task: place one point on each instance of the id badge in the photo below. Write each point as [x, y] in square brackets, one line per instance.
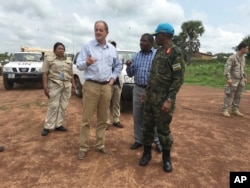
[61, 75]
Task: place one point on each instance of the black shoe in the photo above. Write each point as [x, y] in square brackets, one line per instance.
[45, 132]
[145, 159]
[135, 145]
[118, 124]
[167, 165]
[158, 147]
[1, 148]
[61, 128]
[166, 159]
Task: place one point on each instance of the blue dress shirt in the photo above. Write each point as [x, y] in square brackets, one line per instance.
[140, 67]
[106, 58]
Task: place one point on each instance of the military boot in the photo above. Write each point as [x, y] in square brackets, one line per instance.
[167, 165]
[225, 113]
[146, 157]
[238, 113]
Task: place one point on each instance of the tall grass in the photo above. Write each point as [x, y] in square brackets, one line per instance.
[208, 73]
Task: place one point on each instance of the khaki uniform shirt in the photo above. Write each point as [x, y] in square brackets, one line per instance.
[235, 69]
[59, 71]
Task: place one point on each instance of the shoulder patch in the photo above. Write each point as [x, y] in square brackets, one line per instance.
[176, 66]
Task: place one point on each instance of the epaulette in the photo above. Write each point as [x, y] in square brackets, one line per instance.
[50, 56]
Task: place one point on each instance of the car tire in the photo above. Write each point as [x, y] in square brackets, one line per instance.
[8, 85]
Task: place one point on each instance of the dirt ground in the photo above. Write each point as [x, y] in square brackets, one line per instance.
[206, 146]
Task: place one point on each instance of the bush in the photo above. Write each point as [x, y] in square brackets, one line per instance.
[208, 73]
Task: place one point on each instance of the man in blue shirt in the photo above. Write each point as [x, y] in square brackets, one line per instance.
[139, 67]
[96, 59]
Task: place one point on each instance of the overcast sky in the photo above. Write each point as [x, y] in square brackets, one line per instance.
[41, 23]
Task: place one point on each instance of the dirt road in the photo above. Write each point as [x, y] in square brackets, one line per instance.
[206, 146]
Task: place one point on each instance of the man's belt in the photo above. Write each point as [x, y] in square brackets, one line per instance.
[142, 86]
[97, 82]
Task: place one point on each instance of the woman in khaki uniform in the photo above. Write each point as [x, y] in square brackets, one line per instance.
[58, 81]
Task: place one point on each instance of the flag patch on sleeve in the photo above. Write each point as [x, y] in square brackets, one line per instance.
[176, 66]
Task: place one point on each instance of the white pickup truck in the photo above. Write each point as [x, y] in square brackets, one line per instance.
[22, 67]
[128, 83]
[25, 66]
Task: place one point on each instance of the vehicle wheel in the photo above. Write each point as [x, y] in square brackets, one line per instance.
[78, 89]
[8, 85]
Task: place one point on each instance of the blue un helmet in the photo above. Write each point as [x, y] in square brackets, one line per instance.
[164, 28]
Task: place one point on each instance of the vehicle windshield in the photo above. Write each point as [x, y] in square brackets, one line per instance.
[26, 57]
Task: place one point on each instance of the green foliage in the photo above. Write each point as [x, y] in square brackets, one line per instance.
[3, 57]
[208, 73]
[188, 38]
[4, 108]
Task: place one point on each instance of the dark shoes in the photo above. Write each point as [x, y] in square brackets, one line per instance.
[1, 148]
[166, 159]
[81, 155]
[167, 165]
[61, 128]
[45, 132]
[102, 150]
[118, 125]
[135, 145]
[145, 159]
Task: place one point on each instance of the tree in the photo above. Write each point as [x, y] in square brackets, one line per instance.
[188, 38]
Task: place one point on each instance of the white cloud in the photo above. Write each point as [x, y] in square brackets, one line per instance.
[42, 23]
[218, 40]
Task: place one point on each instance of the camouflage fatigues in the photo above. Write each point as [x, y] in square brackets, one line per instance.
[165, 80]
[235, 70]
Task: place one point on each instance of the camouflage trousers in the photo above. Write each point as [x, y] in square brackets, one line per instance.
[154, 116]
[232, 96]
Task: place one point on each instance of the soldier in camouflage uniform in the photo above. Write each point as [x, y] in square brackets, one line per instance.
[235, 74]
[165, 80]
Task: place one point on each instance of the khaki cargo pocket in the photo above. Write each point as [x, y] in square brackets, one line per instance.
[227, 90]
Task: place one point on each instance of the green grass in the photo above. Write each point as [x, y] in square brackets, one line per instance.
[27, 105]
[208, 74]
[4, 108]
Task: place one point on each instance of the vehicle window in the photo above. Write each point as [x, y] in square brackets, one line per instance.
[75, 58]
[26, 57]
[71, 56]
